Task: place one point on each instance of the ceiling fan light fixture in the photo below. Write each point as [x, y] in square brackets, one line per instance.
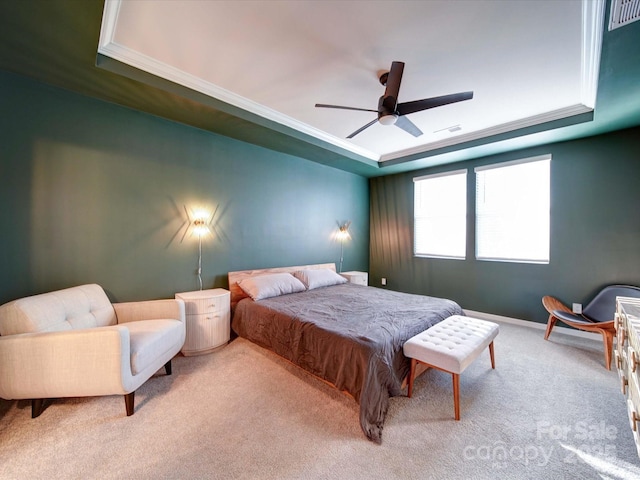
[388, 119]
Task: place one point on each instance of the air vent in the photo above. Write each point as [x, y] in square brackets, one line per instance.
[624, 12]
[453, 128]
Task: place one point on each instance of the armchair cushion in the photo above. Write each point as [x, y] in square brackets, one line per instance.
[151, 339]
[571, 317]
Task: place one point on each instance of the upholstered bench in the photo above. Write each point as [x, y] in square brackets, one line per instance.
[451, 346]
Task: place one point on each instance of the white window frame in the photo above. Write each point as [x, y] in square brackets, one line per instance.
[440, 220]
[507, 234]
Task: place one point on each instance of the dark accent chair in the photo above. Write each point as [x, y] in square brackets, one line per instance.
[597, 316]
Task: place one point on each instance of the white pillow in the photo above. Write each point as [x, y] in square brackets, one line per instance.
[272, 285]
[319, 278]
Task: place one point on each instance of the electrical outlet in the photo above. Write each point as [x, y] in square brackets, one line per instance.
[383, 281]
[577, 308]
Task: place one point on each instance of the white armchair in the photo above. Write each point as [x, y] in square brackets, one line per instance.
[75, 343]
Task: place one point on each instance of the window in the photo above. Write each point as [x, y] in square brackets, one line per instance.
[512, 211]
[440, 215]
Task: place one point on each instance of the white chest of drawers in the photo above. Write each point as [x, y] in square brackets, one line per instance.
[627, 358]
[208, 320]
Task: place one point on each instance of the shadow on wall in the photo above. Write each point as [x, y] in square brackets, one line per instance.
[201, 221]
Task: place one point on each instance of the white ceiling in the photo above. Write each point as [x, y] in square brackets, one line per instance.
[527, 61]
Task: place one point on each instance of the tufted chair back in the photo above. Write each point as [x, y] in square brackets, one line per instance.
[85, 306]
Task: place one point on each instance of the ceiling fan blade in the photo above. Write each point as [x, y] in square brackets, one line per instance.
[323, 105]
[419, 105]
[394, 79]
[362, 128]
[408, 126]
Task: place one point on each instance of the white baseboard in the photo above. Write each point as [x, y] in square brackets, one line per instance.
[538, 326]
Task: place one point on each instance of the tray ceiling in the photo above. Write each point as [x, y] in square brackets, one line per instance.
[527, 62]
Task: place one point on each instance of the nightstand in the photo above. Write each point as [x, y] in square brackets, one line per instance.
[208, 314]
[359, 278]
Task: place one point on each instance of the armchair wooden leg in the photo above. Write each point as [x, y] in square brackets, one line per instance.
[129, 402]
[607, 338]
[37, 405]
[550, 324]
[167, 367]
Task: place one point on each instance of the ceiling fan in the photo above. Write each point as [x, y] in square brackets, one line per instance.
[390, 112]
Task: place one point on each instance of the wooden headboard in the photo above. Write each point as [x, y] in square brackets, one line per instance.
[238, 294]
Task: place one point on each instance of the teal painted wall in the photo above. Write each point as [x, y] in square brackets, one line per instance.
[94, 192]
[595, 233]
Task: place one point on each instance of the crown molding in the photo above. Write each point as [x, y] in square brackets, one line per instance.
[503, 128]
[592, 30]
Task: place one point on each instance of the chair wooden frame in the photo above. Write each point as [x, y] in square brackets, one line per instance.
[606, 329]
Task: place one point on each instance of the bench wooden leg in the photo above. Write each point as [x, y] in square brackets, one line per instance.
[493, 359]
[456, 394]
[412, 374]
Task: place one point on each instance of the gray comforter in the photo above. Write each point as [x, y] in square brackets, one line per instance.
[349, 335]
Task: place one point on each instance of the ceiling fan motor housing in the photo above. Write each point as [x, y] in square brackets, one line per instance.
[387, 110]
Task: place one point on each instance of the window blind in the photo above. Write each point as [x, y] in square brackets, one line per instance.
[513, 211]
[440, 215]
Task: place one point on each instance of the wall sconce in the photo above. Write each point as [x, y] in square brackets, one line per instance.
[342, 235]
[199, 222]
[200, 225]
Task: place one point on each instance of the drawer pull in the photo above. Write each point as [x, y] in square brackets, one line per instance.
[633, 360]
[634, 420]
[633, 416]
[622, 336]
[624, 383]
[618, 358]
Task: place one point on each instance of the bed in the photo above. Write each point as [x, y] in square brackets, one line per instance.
[348, 335]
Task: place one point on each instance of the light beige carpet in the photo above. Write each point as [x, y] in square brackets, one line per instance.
[549, 410]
